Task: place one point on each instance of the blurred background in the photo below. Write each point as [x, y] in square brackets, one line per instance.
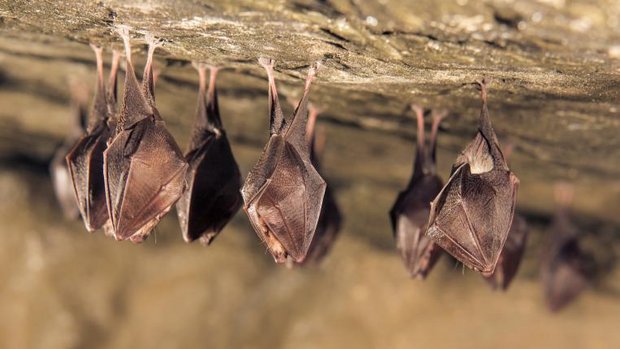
[556, 82]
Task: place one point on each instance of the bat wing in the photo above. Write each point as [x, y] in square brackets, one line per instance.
[326, 231]
[213, 196]
[85, 163]
[471, 216]
[511, 256]
[290, 204]
[263, 170]
[149, 178]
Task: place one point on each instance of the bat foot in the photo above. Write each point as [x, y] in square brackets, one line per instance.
[123, 31]
[152, 41]
[98, 49]
[266, 62]
[483, 86]
[417, 109]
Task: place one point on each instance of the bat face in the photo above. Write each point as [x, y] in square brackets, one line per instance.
[144, 169]
[471, 216]
[511, 256]
[214, 181]
[410, 212]
[283, 193]
[85, 160]
[563, 263]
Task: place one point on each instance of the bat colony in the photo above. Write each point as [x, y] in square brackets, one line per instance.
[122, 171]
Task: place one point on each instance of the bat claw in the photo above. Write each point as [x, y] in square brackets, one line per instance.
[123, 31]
[199, 65]
[266, 62]
[314, 68]
[439, 115]
[152, 41]
[483, 87]
[417, 109]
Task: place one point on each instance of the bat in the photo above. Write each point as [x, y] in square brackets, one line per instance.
[563, 264]
[61, 177]
[471, 217]
[283, 193]
[85, 160]
[213, 178]
[512, 254]
[144, 169]
[330, 218]
[411, 210]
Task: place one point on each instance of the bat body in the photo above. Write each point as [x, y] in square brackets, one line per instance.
[144, 169]
[283, 193]
[510, 258]
[471, 216]
[213, 178]
[85, 160]
[411, 210]
[563, 273]
[330, 218]
[59, 171]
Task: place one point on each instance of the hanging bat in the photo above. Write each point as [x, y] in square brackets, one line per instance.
[410, 212]
[512, 254]
[85, 160]
[283, 193]
[213, 178]
[61, 178]
[330, 218]
[471, 216]
[144, 169]
[563, 268]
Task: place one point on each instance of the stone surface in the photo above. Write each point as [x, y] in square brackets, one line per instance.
[556, 82]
